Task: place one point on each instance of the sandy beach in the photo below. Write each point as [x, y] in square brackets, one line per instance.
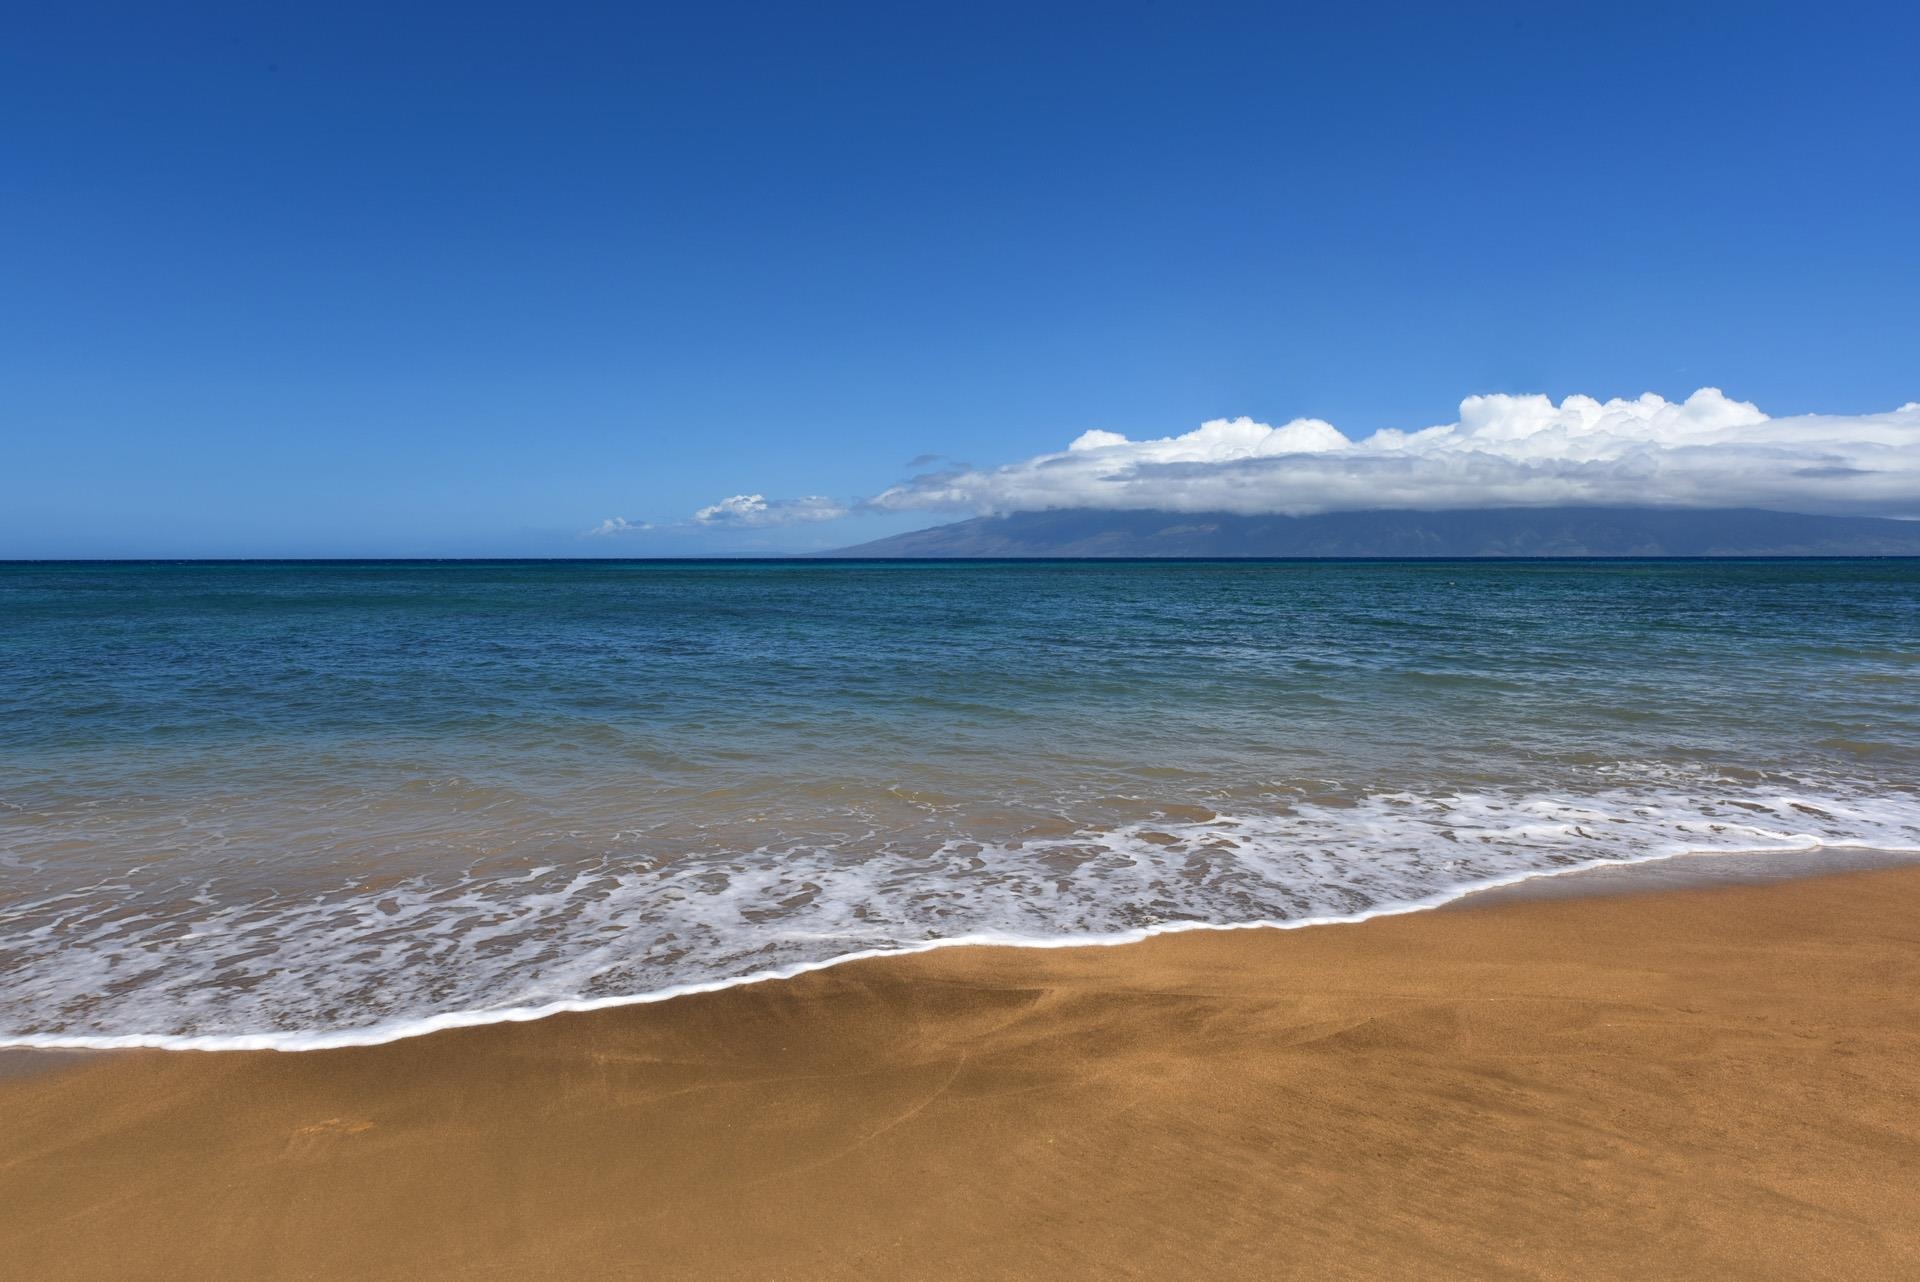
[1719, 1082]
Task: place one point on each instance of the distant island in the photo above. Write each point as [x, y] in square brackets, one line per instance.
[1502, 532]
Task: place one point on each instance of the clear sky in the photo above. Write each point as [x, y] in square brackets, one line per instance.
[471, 279]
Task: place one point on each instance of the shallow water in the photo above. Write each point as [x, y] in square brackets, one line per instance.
[294, 801]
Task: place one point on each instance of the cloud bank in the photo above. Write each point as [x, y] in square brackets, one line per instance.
[1504, 451]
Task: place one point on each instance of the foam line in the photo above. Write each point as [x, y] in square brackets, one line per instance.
[398, 1030]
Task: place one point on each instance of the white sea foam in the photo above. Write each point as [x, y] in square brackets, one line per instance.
[207, 966]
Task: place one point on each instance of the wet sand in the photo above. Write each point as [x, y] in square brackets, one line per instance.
[1718, 1082]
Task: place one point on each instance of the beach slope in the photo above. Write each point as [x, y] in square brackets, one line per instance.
[1695, 1083]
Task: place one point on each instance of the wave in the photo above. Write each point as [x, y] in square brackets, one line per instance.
[398, 1030]
[214, 965]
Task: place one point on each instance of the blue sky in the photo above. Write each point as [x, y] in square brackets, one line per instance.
[471, 279]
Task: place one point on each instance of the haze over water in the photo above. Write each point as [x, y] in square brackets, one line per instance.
[306, 799]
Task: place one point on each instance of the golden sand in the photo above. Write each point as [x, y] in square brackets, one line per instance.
[1687, 1084]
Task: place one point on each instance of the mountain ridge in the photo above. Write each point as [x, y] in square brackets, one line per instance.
[1405, 533]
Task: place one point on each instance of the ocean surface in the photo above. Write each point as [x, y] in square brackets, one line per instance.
[304, 804]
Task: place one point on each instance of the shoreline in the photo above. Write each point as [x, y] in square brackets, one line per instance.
[1712, 1082]
[1632, 875]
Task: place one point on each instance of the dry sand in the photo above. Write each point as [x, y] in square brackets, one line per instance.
[1686, 1084]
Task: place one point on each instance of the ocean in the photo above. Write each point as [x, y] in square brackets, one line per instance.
[308, 804]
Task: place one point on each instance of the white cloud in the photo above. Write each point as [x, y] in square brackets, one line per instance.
[1504, 451]
[616, 525]
[756, 510]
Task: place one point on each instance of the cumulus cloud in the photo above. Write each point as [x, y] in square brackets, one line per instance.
[616, 525]
[756, 510]
[1504, 451]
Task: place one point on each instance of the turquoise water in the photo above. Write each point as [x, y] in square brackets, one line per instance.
[292, 801]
